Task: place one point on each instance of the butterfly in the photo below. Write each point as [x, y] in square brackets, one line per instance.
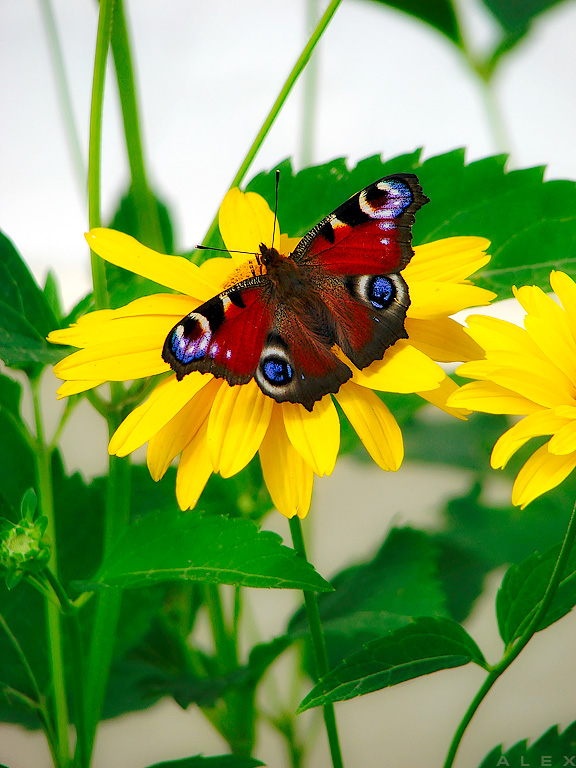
[340, 286]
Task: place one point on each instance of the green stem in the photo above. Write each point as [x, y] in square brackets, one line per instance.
[236, 720]
[223, 642]
[95, 147]
[70, 611]
[279, 103]
[485, 75]
[319, 643]
[512, 652]
[145, 203]
[117, 514]
[40, 702]
[53, 618]
[64, 93]
[117, 505]
[500, 137]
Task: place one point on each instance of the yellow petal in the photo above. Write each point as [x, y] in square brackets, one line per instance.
[75, 387]
[565, 288]
[442, 339]
[487, 397]
[374, 425]
[534, 425]
[129, 331]
[287, 476]
[491, 333]
[174, 436]
[553, 337]
[542, 472]
[537, 379]
[238, 422]
[315, 434]
[533, 299]
[149, 418]
[150, 314]
[194, 469]
[439, 397]
[115, 361]
[564, 440]
[245, 221]
[403, 369]
[451, 259]
[434, 299]
[171, 271]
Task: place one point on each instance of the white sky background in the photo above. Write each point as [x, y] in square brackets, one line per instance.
[207, 75]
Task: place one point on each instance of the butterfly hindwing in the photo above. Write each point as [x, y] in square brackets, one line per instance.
[297, 367]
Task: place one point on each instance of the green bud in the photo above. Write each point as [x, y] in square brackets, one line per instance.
[22, 546]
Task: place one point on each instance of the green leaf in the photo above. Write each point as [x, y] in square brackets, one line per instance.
[81, 308]
[20, 342]
[187, 688]
[499, 535]
[516, 17]
[553, 749]
[52, 294]
[532, 233]
[371, 598]
[439, 14]
[17, 472]
[423, 646]
[166, 546]
[220, 761]
[19, 290]
[523, 588]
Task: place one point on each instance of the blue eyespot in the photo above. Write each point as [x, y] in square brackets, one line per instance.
[380, 291]
[277, 370]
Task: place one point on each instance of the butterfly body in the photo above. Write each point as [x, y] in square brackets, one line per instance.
[340, 286]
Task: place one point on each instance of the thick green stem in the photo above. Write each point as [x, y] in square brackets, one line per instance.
[279, 103]
[117, 504]
[81, 757]
[236, 720]
[319, 644]
[95, 147]
[512, 652]
[53, 617]
[117, 514]
[146, 205]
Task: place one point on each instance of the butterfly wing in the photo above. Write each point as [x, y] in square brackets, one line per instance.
[243, 333]
[225, 335]
[344, 288]
[355, 255]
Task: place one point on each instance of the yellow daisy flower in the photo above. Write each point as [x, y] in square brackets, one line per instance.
[529, 372]
[215, 427]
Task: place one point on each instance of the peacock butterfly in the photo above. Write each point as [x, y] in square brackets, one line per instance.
[340, 286]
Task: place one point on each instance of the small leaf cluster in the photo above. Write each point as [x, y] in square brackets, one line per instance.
[23, 547]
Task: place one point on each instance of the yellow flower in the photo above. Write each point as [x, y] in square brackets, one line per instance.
[215, 427]
[529, 372]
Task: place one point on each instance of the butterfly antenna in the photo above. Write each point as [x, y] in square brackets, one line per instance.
[275, 205]
[224, 250]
